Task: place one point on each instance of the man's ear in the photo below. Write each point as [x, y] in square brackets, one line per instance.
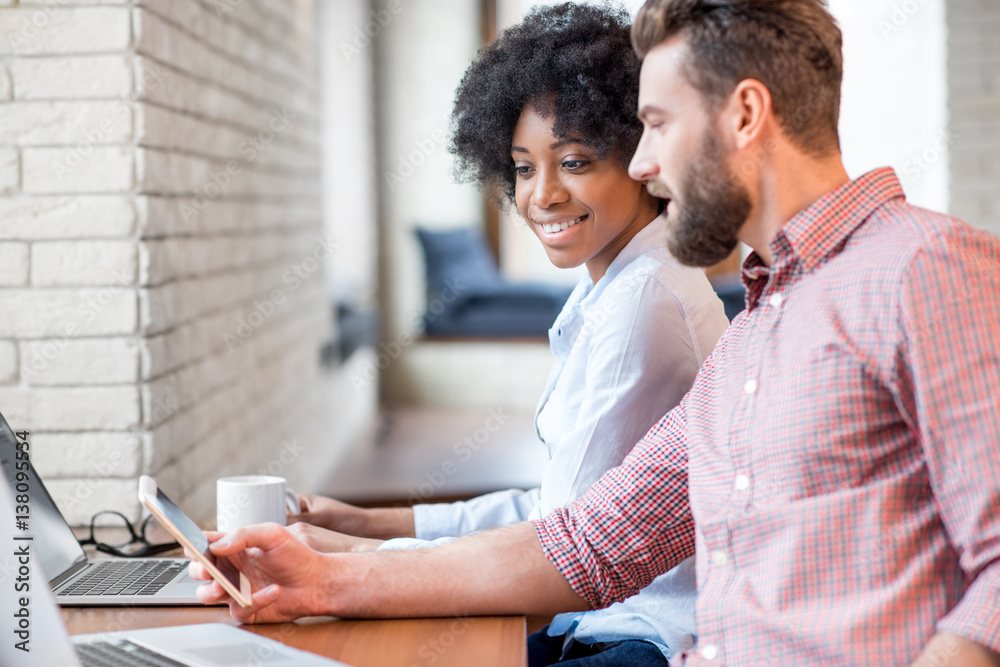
[745, 114]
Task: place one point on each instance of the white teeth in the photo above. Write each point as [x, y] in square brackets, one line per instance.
[552, 229]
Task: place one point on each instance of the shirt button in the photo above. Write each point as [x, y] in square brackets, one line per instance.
[742, 482]
[750, 387]
[710, 652]
[719, 558]
[776, 300]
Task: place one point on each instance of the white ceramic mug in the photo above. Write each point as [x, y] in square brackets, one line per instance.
[250, 499]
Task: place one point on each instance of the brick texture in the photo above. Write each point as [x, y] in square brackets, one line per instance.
[161, 299]
[13, 263]
[60, 78]
[10, 170]
[5, 83]
[8, 362]
[52, 29]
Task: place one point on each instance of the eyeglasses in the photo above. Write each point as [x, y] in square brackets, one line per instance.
[101, 536]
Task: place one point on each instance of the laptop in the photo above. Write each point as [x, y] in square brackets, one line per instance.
[74, 578]
[35, 636]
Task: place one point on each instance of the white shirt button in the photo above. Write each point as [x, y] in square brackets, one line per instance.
[776, 300]
[710, 651]
[719, 558]
[750, 387]
[742, 482]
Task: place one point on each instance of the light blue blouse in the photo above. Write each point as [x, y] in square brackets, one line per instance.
[626, 350]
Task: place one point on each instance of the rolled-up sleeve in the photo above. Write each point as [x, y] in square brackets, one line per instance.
[633, 524]
[951, 313]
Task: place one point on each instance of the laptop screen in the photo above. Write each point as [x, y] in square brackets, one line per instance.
[55, 543]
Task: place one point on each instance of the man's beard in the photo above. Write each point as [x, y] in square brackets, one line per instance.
[713, 205]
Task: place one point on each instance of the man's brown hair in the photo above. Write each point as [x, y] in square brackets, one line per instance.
[791, 46]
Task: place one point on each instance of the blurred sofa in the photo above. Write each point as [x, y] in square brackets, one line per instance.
[468, 297]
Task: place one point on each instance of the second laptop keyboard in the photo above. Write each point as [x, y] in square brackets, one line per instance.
[126, 578]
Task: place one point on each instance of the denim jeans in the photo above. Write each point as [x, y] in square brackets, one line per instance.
[545, 650]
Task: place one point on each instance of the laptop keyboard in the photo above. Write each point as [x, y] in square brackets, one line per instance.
[121, 653]
[125, 578]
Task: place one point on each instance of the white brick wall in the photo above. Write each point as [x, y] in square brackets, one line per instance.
[10, 170]
[5, 84]
[71, 409]
[8, 362]
[974, 110]
[40, 313]
[13, 263]
[64, 123]
[84, 361]
[57, 263]
[71, 77]
[161, 301]
[101, 169]
[66, 217]
[53, 29]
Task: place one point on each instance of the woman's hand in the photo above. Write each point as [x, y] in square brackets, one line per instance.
[330, 514]
[379, 523]
[328, 541]
[288, 579]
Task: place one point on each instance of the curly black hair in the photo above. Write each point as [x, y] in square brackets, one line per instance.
[573, 62]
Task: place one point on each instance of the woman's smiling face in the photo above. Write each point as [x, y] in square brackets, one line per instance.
[583, 209]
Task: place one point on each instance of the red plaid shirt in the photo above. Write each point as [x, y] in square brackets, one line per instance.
[836, 463]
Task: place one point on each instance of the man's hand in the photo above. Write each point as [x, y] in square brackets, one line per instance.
[499, 572]
[946, 649]
[328, 541]
[288, 579]
[378, 523]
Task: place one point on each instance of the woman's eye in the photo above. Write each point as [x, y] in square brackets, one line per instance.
[575, 164]
[522, 171]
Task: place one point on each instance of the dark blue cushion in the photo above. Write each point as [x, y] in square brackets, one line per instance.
[460, 255]
[485, 304]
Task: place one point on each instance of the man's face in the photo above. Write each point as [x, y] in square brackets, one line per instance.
[681, 158]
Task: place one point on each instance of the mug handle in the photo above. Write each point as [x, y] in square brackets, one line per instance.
[292, 502]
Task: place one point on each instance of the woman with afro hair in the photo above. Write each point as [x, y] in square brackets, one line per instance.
[545, 121]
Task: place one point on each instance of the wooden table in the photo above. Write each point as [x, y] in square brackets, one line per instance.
[442, 642]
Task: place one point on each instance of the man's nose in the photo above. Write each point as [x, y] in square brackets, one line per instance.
[643, 166]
